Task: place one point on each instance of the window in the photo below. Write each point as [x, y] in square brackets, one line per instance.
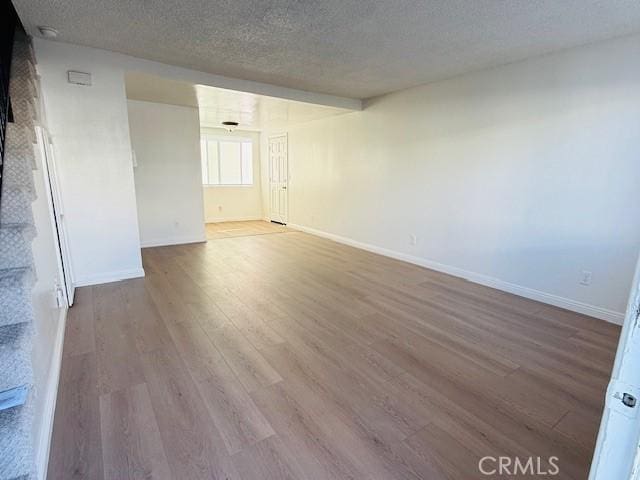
[226, 161]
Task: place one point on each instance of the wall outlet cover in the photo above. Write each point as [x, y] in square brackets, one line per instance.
[586, 277]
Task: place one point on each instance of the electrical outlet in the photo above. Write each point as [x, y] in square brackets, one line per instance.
[413, 239]
[586, 277]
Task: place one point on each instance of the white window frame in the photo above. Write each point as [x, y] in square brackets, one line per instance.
[218, 139]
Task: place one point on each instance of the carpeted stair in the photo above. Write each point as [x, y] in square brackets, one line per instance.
[16, 269]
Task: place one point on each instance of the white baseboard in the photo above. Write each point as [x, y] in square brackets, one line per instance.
[544, 297]
[234, 219]
[108, 277]
[163, 242]
[51, 395]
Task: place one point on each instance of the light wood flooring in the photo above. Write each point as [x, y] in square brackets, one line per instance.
[216, 231]
[287, 356]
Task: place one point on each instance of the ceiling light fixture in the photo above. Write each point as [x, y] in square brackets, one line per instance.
[48, 32]
[230, 126]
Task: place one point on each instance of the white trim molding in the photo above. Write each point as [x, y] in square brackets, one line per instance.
[108, 277]
[162, 242]
[235, 219]
[51, 395]
[544, 297]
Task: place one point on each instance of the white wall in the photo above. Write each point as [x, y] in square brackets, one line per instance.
[91, 141]
[231, 203]
[168, 176]
[519, 177]
[90, 134]
[49, 319]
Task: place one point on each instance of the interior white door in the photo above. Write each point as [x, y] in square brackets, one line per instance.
[53, 190]
[278, 179]
[618, 446]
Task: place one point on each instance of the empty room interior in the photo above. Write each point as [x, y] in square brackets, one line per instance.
[320, 240]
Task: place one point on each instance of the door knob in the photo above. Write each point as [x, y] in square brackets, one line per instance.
[284, 188]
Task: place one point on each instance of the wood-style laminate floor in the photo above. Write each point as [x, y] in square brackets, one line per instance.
[216, 231]
[287, 356]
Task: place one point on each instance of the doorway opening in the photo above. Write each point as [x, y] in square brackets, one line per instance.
[207, 158]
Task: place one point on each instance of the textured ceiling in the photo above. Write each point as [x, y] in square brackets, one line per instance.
[217, 105]
[353, 48]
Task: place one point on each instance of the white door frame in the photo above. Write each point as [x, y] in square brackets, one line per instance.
[617, 449]
[281, 187]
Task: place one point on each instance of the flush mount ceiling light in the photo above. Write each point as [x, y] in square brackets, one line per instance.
[230, 126]
[48, 32]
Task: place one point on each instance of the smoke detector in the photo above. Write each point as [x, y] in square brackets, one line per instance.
[48, 32]
[230, 126]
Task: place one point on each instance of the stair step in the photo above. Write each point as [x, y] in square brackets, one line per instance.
[15, 205]
[20, 142]
[29, 88]
[25, 111]
[15, 296]
[15, 355]
[22, 68]
[23, 47]
[26, 84]
[14, 397]
[18, 162]
[17, 275]
[23, 89]
[15, 245]
[16, 443]
[19, 137]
